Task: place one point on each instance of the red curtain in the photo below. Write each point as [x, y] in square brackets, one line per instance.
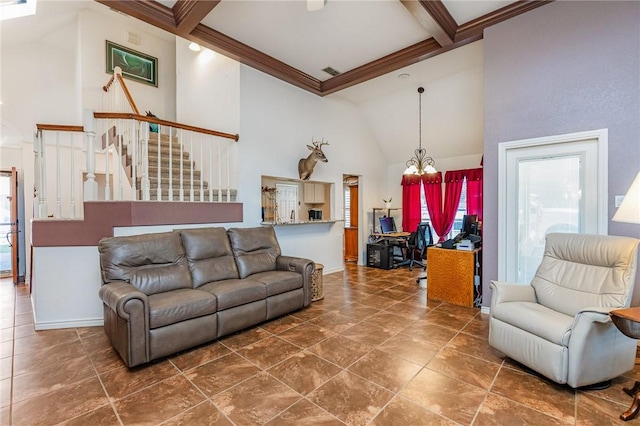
[433, 194]
[411, 214]
[454, 180]
[474, 192]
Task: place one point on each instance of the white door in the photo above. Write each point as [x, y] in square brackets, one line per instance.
[555, 184]
[287, 202]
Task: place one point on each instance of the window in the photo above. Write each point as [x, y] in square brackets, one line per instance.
[462, 210]
[346, 210]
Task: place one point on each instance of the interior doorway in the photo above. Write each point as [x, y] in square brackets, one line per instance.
[9, 249]
[350, 185]
[287, 202]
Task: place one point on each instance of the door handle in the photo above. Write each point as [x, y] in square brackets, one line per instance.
[8, 237]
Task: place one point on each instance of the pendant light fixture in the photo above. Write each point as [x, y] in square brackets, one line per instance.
[420, 164]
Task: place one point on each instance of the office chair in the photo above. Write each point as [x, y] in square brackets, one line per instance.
[422, 238]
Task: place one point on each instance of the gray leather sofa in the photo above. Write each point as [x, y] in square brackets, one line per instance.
[164, 293]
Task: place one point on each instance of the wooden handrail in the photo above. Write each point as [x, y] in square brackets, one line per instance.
[109, 83]
[128, 95]
[59, 128]
[118, 73]
[129, 116]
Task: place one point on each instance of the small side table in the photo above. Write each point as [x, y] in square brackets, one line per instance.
[628, 322]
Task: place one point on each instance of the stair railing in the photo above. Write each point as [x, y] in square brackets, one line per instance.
[122, 163]
[208, 157]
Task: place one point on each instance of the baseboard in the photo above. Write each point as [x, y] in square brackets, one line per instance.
[53, 325]
[326, 271]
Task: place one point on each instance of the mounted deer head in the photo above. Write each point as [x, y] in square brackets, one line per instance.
[306, 165]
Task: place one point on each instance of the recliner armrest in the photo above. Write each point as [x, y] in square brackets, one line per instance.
[502, 292]
[294, 264]
[116, 294]
[596, 314]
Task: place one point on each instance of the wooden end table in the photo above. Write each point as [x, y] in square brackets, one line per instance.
[628, 322]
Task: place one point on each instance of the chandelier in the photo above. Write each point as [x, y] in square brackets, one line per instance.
[420, 164]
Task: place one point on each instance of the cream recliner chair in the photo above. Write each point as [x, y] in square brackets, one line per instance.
[559, 325]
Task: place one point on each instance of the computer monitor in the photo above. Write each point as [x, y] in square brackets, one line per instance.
[470, 224]
[387, 225]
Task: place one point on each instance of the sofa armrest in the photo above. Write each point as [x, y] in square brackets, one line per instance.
[117, 294]
[303, 266]
[502, 292]
[126, 321]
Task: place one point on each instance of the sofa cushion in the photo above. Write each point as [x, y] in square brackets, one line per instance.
[536, 319]
[278, 282]
[209, 255]
[231, 293]
[255, 249]
[152, 263]
[174, 306]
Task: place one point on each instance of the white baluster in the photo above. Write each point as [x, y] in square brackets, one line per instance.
[201, 177]
[228, 174]
[159, 193]
[219, 171]
[133, 146]
[107, 185]
[170, 198]
[146, 182]
[58, 196]
[191, 165]
[90, 184]
[210, 145]
[73, 173]
[181, 167]
[118, 159]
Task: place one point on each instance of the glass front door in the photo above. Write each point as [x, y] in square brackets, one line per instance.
[548, 186]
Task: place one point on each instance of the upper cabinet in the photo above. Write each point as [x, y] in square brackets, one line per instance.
[314, 192]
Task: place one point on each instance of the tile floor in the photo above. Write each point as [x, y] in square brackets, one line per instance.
[373, 351]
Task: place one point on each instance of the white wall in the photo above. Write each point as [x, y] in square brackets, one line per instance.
[277, 122]
[95, 29]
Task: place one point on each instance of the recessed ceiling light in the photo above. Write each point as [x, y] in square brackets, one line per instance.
[194, 46]
[404, 76]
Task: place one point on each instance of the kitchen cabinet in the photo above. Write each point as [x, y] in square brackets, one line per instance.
[314, 193]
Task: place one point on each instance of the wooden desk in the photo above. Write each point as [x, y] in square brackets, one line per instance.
[451, 275]
[392, 234]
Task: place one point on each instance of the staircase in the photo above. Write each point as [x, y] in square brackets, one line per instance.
[191, 178]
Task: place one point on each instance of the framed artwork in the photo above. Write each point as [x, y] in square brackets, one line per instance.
[135, 65]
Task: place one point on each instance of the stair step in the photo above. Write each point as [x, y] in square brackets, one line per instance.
[164, 161]
[164, 173]
[196, 194]
[164, 150]
[164, 140]
[164, 182]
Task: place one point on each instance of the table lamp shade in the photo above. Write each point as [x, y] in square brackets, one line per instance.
[629, 210]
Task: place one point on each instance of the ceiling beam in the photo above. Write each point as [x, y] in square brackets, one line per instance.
[151, 12]
[189, 13]
[435, 18]
[247, 55]
[181, 20]
[400, 59]
[476, 27]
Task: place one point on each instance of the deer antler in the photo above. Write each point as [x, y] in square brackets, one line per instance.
[318, 144]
